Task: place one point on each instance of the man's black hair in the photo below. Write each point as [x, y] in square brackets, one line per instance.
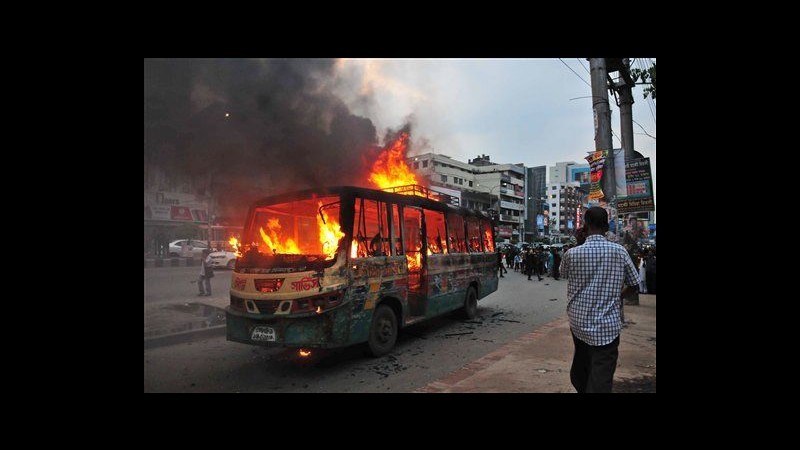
[597, 218]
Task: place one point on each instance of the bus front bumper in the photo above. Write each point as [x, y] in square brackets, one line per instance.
[327, 330]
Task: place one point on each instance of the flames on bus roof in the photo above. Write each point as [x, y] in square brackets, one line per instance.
[389, 172]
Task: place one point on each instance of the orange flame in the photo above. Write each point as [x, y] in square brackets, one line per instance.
[489, 242]
[235, 244]
[414, 262]
[329, 234]
[390, 169]
[433, 247]
[304, 353]
[273, 239]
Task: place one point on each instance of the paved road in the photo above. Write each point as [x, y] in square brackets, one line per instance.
[424, 352]
[174, 284]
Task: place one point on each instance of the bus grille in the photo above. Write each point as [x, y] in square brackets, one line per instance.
[267, 306]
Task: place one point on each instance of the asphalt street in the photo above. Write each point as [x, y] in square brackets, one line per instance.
[423, 353]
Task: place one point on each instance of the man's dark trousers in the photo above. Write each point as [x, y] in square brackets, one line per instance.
[593, 366]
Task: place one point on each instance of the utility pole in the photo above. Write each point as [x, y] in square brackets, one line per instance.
[625, 88]
[624, 85]
[602, 128]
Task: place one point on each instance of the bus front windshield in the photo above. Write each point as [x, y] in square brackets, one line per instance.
[303, 227]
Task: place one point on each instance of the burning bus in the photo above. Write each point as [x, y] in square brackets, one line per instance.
[337, 266]
[346, 265]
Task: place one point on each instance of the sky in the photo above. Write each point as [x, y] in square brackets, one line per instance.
[254, 127]
[531, 111]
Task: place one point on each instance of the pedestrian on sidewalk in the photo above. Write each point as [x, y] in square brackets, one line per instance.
[650, 272]
[599, 273]
[500, 264]
[206, 274]
[643, 272]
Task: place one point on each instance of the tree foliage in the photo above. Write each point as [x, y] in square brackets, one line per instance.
[647, 77]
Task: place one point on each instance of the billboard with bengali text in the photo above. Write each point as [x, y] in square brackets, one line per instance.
[639, 187]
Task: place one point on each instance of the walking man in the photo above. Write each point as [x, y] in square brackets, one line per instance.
[500, 264]
[599, 274]
[206, 273]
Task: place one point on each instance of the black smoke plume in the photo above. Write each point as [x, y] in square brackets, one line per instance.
[284, 129]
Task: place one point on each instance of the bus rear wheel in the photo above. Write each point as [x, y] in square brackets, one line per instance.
[382, 332]
[470, 310]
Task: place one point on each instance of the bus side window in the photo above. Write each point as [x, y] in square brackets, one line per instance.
[488, 238]
[370, 229]
[412, 234]
[398, 242]
[455, 232]
[474, 235]
[435, 229]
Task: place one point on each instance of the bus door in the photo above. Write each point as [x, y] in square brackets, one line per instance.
[414, 245]
[370, 249]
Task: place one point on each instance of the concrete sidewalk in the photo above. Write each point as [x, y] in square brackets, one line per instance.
[540, 361]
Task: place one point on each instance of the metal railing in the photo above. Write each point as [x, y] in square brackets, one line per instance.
[419, 191]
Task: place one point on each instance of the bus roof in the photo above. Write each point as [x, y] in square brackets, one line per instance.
[374, 194]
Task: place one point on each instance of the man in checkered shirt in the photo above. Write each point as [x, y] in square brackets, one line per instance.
[600, 273]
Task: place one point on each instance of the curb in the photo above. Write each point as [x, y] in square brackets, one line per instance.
[184, 336]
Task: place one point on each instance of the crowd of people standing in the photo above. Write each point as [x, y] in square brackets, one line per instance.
[541, 262]
[538, 261]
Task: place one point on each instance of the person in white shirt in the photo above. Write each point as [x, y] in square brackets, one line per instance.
[206, 273]
[643, 273]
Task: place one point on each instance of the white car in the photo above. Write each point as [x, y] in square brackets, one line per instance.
[223, 259]
[193, 247]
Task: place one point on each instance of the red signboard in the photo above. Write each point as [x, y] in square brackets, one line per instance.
[180, 213]
[504, 231]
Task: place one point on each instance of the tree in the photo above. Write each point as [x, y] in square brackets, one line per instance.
[648, 77]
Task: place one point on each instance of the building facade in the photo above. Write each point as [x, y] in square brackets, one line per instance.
[565, 201]
[580, 173]
[484, 185]
[536, 203]
[560, 172]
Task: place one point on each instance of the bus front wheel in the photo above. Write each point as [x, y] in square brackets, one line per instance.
[471, 304]
[382, 332]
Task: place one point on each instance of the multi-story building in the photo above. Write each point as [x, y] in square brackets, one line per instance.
[580, 173]
[483, 185]
[536, 202]
[565, 206]
[172, 208]
[560, 172]
[179, 207]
